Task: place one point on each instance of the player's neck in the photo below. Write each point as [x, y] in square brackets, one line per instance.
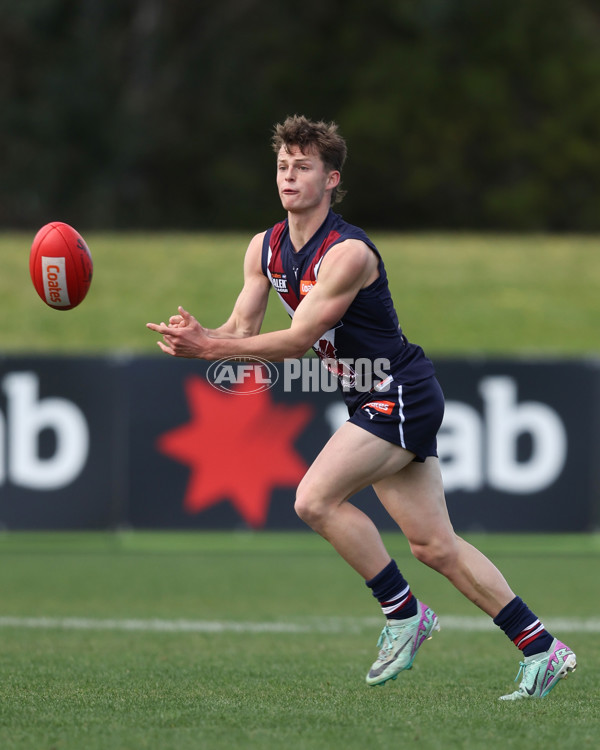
[302, 225]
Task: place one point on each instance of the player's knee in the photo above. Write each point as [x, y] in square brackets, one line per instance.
[439, 554]
[305, 509]
[308, 506]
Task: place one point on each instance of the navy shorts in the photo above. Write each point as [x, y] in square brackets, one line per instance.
[408, 415]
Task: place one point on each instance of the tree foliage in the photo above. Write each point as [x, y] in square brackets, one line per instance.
[157, 114]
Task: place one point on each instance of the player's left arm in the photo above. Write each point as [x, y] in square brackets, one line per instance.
[347, 268]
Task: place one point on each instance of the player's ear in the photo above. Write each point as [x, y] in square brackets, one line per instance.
[333, 179]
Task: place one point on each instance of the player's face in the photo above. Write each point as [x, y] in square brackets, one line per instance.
[302, 180]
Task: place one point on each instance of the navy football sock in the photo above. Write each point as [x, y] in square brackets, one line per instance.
[523, 628]
[393, 593]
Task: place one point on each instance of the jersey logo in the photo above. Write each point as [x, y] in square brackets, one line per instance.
[279, 282]
[327, 353]
[384, 407]
[305, 286]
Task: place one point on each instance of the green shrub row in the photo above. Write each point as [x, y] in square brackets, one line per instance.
[479, 114]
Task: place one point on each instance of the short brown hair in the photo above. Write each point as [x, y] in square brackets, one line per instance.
[321, 137]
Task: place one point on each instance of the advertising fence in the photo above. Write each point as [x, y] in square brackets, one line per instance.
[161, 443]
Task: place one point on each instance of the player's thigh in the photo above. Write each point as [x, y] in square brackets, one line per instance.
[414, 497]
[351, 460]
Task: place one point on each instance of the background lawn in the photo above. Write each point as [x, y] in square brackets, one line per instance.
[455, 294]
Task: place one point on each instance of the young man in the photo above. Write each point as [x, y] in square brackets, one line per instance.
[331, 279]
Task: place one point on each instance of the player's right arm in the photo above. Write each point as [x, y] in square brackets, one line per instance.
[249, 310]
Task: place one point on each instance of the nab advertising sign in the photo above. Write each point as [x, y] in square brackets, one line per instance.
[516, 447]
[165, 443]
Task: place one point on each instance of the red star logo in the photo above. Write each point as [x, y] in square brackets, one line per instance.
[238, 447]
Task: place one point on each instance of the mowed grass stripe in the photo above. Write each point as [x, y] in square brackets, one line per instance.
[311, 625]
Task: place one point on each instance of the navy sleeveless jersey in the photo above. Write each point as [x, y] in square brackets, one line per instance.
[369, 329]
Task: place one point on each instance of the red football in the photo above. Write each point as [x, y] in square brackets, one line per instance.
[60, 265]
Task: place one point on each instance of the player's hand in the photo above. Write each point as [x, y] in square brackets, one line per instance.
[183, 336]
[177, 321]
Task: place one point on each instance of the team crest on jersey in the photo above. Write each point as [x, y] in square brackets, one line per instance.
[327, 353]
[279, 281]
[305, 286]
[325, 348]
[384, 407]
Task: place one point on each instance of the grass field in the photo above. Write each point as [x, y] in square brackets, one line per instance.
[177, 641]
[455, 294]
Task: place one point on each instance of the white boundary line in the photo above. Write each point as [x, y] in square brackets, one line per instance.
[305, 625]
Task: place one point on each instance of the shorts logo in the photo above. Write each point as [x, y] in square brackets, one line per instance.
[279, 281]
[384, 407]
[305, 286]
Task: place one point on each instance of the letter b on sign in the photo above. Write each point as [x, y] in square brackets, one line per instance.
[27, 417]
[507, 420]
